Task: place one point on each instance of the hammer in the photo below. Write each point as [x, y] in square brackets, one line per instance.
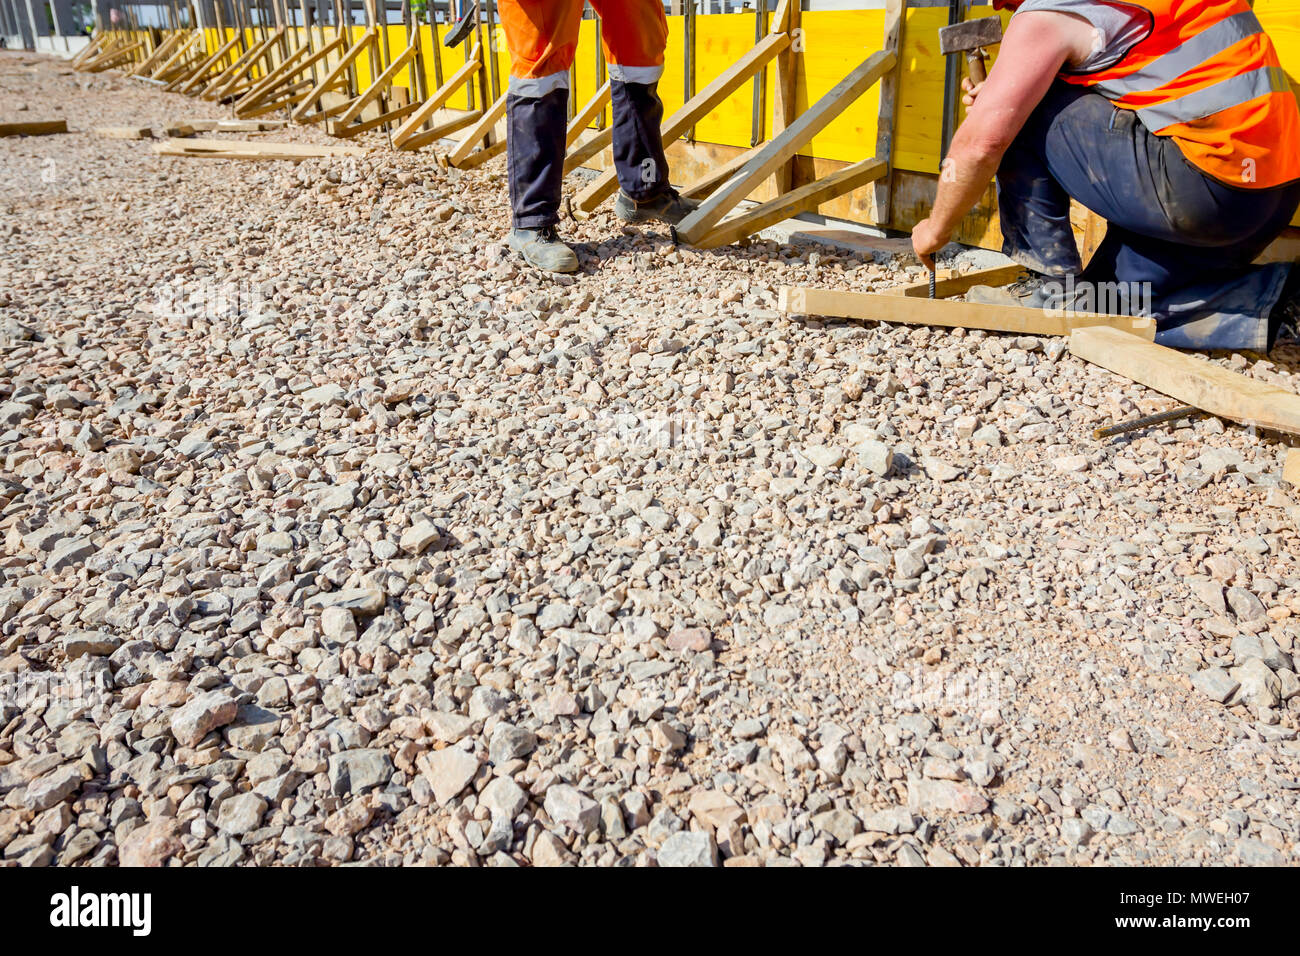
[970, 38]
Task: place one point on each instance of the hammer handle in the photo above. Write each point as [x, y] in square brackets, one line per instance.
[975, 65]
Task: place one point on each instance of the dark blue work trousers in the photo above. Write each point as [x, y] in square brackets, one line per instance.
[535, 144]
[1185, 237]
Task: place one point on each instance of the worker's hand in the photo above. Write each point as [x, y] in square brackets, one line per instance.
[926, 241]
[972, 91]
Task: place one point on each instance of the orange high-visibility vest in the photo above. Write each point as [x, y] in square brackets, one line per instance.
[1208, 77]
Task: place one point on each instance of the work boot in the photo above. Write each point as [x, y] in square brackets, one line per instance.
[543, 249]
[666, 207]
[1284, 319]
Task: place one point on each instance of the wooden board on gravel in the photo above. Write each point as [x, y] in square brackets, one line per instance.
[1190, 379]
[248, 149]
[124, 132]
[34, 128]
[940, 312]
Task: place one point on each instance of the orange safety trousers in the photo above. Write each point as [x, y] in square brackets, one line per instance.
[542, 36]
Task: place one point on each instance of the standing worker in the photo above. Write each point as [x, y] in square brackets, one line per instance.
[543, 37]
[1171, 119]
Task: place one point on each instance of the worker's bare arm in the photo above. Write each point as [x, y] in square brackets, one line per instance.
[1037, 44]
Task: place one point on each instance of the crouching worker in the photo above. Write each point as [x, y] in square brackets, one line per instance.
[542, 36]
[1171, 119]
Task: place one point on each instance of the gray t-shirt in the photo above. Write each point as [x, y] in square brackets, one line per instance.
[1117, 28]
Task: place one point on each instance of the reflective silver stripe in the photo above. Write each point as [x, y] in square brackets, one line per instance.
[635, 74]
[1165, 69]
[1210, 100]
[535, 87]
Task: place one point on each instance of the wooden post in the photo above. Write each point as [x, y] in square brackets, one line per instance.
[784, 108]
[887, 120]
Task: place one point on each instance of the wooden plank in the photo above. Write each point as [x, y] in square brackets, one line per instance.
[226, 84]
[1190, 379]
[587, 115]
[940, 312]
[885, 118]
[250, 146]
[124, 132]
[336, 72]
[698, 224]
[411, 128]
[164, 49]
[476, 132]
[950, 285]
[382, 83]
[348, 130]
[205, 68]
[441, 131]
[587, 147]
[480, 156]
[34, 128]
[175, 57]
[785, 105]
[690, 113]
[290, 67]
[803, 199]
[1291, 467]
[235, 125]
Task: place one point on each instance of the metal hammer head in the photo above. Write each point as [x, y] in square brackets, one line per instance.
[971, 35]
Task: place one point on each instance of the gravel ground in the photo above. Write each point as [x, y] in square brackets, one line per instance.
[333, 534]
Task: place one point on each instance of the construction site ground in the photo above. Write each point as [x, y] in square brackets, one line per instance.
[332, 533]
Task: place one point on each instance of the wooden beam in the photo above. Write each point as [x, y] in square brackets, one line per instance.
[1291, 467]
[163, 49]
[250, 149]
[1190, 379]
[235, 125]
[283, 74]
[480, 156]
[204, 69]
[941, 312]
[226, 86]
[90, 50]
[785, 109]
[803, 199]
[699, 106]
[348, 130]
[479, 130]
[886, 117]
[411, 128]
[587, 147]
[336, 72]
[381, 83]
[811, 122]
[950, 285]
[124, 132]
[34, 128]
[441, 131]
[587, 115]
[176, 57]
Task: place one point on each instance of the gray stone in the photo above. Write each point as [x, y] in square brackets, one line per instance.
[688, 848]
